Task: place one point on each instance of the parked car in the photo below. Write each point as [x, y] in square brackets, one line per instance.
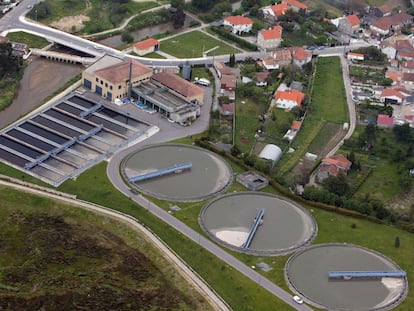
[311, 48]
[321, 47]
[297, 299]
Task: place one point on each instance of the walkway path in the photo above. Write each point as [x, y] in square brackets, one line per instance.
[126, 22]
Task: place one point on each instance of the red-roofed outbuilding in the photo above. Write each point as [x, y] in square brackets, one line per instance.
[146, 46]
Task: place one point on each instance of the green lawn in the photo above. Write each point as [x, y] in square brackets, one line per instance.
[192, 44]
[32, 41]
[328, 95]
[324, 136]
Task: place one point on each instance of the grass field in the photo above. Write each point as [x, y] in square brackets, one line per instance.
[328, 105]
[193, 44]
[327, 132]
[52, 252]
[32, 41]
[328, 96]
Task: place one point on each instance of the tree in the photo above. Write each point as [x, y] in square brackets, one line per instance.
[336, 184]
[235, 151]
[177, 3]
[127, 37]
[8, 62]
[179, 18]
[397, 242]
[232, 60]
[402, 132]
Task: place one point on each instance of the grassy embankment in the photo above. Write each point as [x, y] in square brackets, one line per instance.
[183, 46]
[53, 252]
[103, 15]
[325, 114]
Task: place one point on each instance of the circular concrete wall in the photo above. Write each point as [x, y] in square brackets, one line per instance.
[209, 173]
[285, 226]
[307, 274]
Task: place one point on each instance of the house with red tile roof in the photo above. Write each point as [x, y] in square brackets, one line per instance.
[300, 56]
[347, 24]
[183, 88]
[228, 83]
[287, 99]
[282, 57]
[384, 120]
[354, 22]
[239, 24]
[227, 109]
[261, 78]
[295, 5]
[269, 63]
[355, 56]
[407, 67]
[146, 46]
[384, 25]
[269, 39]
[392, 96]
[407, 81]
[222, 69]
[395, 76]
[273, 12]
[381, 11]
[332, 166]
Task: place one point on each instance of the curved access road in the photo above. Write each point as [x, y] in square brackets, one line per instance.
[205, 290]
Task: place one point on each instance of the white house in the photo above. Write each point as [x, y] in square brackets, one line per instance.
[355, 56]
[392, 96]
[288, 99]
[239, 24]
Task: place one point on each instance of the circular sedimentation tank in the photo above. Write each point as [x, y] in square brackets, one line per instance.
[307, 271]
[209, 173]
[284, 228]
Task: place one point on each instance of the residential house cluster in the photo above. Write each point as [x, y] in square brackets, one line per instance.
[283, 57]
[228, 82]
[273, 12]
[388, 24]
[332, 166]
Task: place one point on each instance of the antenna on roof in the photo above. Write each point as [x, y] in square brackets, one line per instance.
[130, 79]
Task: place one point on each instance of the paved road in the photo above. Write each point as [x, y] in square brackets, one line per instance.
[15, 20]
